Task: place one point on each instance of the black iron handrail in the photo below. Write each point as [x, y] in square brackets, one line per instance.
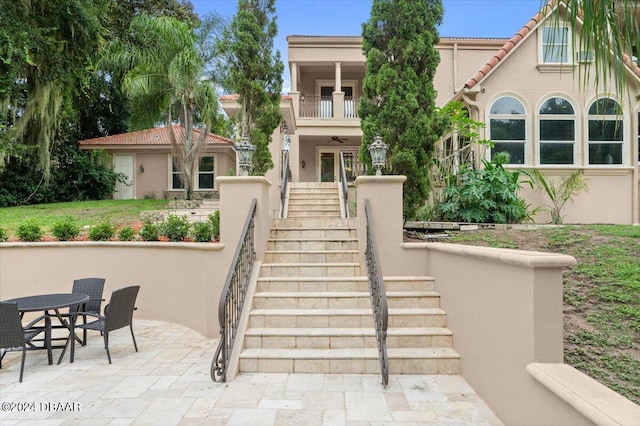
[345, 189]
[378, 294]
[286, 175]
[233, 296]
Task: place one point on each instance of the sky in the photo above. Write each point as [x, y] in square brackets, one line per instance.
[462, 18]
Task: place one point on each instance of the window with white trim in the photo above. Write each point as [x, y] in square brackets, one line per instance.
[176, 181]
[557, 132]
[555, 45]
[606, 132]
[204, 177]
[507, 128]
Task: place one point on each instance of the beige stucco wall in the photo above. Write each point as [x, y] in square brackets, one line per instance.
[179, 282]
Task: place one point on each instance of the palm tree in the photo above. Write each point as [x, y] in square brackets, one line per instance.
[609, 28]
[168, 72]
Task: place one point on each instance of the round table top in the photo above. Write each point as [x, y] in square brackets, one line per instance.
[42, 302]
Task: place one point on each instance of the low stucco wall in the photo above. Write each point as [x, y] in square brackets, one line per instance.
[179, 282]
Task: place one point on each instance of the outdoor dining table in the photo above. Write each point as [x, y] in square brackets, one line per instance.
[51, 304]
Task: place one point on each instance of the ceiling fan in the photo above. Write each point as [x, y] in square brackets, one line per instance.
[337, 139]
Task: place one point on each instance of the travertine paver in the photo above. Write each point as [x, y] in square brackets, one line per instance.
[168, 383]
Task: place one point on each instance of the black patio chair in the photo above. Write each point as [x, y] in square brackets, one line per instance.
[92, 287]
[12, 334]
[117, 314]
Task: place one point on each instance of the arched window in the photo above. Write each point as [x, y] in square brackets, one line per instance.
[606, 132]
[557, 132]
[507, 128]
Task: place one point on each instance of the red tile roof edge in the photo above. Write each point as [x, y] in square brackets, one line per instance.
[234, 97]
[155, 136]
[519, 36]
[509, 45]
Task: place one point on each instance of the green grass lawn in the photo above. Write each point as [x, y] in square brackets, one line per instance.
[118, 212]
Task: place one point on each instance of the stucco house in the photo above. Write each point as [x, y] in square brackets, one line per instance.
[527, 89]
[146, 158]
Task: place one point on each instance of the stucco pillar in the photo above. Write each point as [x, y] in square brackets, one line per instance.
[338, 94]
[236, 193]
[294, 76]
[385, 199]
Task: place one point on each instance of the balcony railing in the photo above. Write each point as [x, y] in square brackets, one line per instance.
[322, 107]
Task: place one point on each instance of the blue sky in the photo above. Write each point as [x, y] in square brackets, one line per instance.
[462, 18]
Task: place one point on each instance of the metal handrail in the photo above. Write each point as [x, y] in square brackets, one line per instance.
[286, 175]
[343, 183]
[233, 295]
[378, 294]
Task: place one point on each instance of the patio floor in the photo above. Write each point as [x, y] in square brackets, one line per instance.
[168, 383]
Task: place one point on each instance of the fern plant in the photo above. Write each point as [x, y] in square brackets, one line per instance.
[560, 193]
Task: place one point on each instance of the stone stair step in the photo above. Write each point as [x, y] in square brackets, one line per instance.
[353, 360]
[352, 317]
[334, 337]
[312, 244]
[342, 300]
[314, 207]
[359, 283]
[313, 233]
[314, 223]
[314, 214]
[338, 269]
[311, 256]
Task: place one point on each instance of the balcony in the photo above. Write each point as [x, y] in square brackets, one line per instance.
[327, 106]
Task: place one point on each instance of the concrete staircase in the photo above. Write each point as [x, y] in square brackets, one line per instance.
[311, 312]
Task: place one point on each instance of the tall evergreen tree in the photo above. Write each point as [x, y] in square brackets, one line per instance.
[255, 74]
[399, 98]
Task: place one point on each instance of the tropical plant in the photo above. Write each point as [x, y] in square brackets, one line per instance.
[3, 235]
[399, 97]
[103, 231]
[486, 195]
[254, 73]
[29, 231]
[168, 73]
[65, 229]
[560, 193]
[610, 29]
[175, 228]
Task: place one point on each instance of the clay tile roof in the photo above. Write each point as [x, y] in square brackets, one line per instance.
[232, 98]
[508, 46]
[156, 136]
[518, 37]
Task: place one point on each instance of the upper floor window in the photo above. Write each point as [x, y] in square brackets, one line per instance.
[605, 132]
[507, 128]
[555, 45]
[557, 132]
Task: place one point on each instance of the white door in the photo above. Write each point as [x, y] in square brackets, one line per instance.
[124, 164]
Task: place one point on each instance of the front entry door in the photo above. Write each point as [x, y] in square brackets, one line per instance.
[328, 164]
[124, 164]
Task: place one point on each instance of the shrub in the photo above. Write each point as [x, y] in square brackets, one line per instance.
[214, 220]
[149, 231]
[65, 229]
[3, 235]
[29, 231]
[201, 232]
[126, 233]
[101, 232]
[175, 228]
[487, 195]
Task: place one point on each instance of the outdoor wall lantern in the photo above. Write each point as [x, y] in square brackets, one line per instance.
[245, 152]
[378, 151]
[141, 168]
